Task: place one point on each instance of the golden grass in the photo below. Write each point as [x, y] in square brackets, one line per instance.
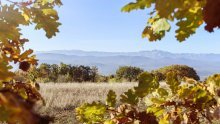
[62, 98]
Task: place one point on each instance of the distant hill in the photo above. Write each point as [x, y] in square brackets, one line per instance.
[108, 62]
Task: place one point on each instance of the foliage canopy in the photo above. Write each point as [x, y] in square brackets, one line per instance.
[188, 15]
[17, 98]
[128, 73]
[59, 73]
[182, 71]
[13, 15]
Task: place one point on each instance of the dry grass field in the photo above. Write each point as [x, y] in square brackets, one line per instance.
[62, 98]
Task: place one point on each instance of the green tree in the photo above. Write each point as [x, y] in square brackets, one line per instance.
[103, 78]
[77, 74]
[181, 71]
[94, 74]
[45, 70]
[85, 73]
[64, 69]
[128, 73]
[54, 69]
[61, 73]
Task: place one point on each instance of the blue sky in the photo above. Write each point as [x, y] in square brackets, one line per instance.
[99, 25]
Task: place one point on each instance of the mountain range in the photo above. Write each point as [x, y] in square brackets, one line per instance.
[108, 62]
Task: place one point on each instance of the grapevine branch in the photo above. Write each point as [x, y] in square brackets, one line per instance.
[27, 3]
[210, 121]
[11, 1]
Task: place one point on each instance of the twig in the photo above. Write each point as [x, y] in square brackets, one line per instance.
[206, 117]
[21, 3]
[12, 2]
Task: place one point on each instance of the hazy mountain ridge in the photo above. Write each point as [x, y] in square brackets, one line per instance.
[108, 62]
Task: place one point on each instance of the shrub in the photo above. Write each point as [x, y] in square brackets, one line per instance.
[181, 70]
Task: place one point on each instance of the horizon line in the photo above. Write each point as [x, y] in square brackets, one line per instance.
[125, 51]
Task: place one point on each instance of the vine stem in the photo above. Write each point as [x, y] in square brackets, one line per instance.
[27, 3]
[12, 2]
[206, 117]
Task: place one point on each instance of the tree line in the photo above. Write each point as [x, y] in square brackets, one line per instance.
[60, 73]
[69, 73]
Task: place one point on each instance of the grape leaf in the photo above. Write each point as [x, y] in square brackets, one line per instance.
[109, 122]
[46, 20]
[160, 25]
[139, 4]
[147, 84]
[129, 97]
[162, 92]
[158, 111]
[5, 74]
[211, 15]
[173, 81]
[164, 120]
[111, 98]
[187, 14]
[91, 113]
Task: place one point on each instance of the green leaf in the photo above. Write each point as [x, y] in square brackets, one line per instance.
[160, 25]
[184, 92]
[214, 85]
[165, 8]
[158, 111]
[129, 97]
[139, 4]
[5, 74]
[147, 84]
[91, 113]
[190, 20]
[52, 2]
[187, 13]
[22, 92]
[173, 81]
[164, 120]
[151, 35]
[50, 12]
[111, 98]
[158, 100]
[8, 32]
[46, 19]
[215, 80]
[11, 15]
[162, 92]
[109, 122]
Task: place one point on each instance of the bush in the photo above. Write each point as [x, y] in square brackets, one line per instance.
[181, 71]
[102, 78]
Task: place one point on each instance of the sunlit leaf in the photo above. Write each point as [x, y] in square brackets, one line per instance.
[91, 113]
